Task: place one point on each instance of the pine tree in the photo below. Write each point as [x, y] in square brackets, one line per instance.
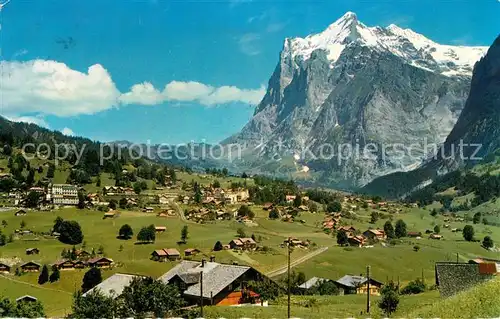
[44, 275]
[55, 275]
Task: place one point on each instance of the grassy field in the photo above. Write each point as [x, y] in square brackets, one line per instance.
[131, 258]
[317, 307]
[387, 262]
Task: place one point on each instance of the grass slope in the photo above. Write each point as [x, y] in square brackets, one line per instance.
[481, 301]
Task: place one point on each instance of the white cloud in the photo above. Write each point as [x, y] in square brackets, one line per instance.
[44, 87]
[146, 94]
[143, 93]
[67, 131]
[50, 87]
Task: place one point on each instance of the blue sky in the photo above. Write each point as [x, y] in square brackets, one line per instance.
[215, 56]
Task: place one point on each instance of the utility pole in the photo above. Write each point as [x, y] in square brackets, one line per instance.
[289, 284]
[457, 258]
[201, 294]
[368, 289]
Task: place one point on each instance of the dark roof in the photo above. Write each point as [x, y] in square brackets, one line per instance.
[31, 263]
[216, 276]
[97, 259]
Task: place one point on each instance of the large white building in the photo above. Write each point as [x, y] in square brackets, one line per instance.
[64, 194]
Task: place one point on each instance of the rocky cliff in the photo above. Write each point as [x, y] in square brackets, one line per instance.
[379, 90]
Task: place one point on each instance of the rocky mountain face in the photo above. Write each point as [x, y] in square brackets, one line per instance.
[367, 87]
[477, 130]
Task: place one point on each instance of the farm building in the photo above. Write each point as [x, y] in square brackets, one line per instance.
[26, 298]
[358, 285]
[223, 284]
[114, 285]
[100, 262]
[30, 266]
[32, 251]
[5, 267]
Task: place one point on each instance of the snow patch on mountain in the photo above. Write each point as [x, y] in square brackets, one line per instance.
[414, 48]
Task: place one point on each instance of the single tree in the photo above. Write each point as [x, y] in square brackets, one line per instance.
[55, 275]
[477, 218]
[28, 309]
[334, 207]
[389, 300]
[389, 230]
[125, 232]
[3, 239]
[437, 229]
[32, 200]
[374, 217]
[184, 233]
[216, 184]
[142, 296]
[92, 278]
[123, 203]
[57, 224]
[112, 204]
[147, 234]
[218, 246]
[488, 242]
[44, 275]
[22, 224]
[4, 223]
[241, 233]
[94, 305]
[297, 201]
[468, 233]
[274, 214]
[70, 232]
[400, 229]
[342, 238]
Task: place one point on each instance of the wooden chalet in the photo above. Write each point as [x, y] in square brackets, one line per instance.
[30, 266]
[20, 212]
[26, 298]
[191, 251]
[5, 267]
[159, 255]
[349, 284]
[160, 229]
[166, 254]
[110, 214]
[100, 262]
[80, 253]
[243, 243]
[357, 241]
[64, 264]
[414, 234]
[375, 234]
[223, 284]
[268, 206]
[32, 251]
[436, 236]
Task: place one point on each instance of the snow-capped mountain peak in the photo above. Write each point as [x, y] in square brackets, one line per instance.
[413, 47]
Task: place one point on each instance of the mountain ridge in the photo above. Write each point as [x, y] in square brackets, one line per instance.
[352, 84]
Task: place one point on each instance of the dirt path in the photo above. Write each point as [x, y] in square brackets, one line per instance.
[34, 286]
[296, 262]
